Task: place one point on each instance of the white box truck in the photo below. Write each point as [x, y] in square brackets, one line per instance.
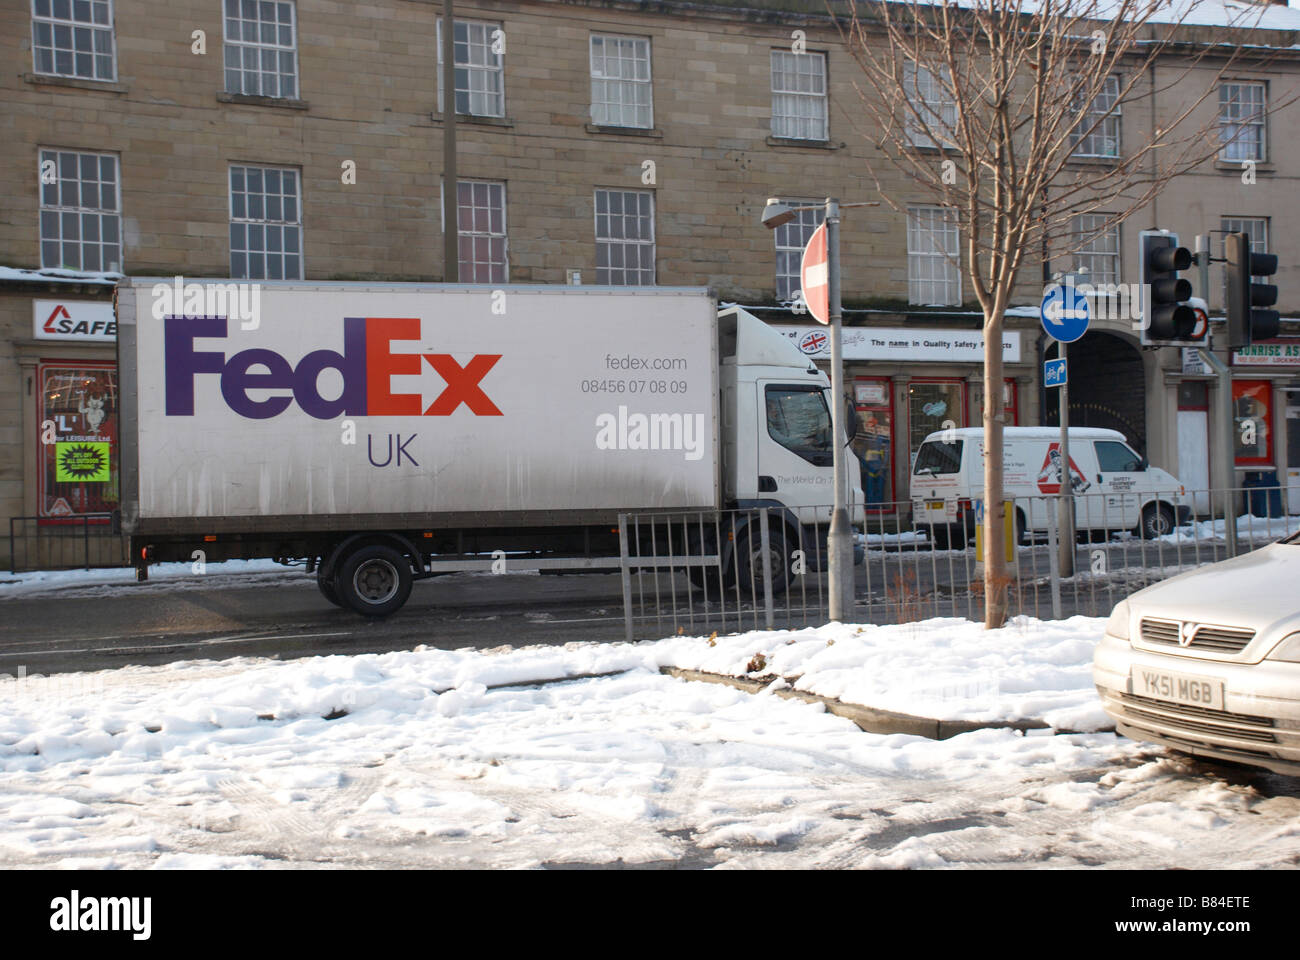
[385, 433]
[1114, 487]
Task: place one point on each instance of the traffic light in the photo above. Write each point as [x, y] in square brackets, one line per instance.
[1167, 320]
[1245, 323]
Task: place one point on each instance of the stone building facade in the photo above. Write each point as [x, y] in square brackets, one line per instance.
[598, 142]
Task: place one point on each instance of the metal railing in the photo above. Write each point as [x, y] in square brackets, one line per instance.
[687, 573]
[64, 543]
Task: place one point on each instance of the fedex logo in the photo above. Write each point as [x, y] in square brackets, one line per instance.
[366, 364]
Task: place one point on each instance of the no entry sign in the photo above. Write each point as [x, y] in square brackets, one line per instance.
[814, 276]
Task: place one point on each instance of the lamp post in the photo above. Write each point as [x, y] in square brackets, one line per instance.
[839, 540]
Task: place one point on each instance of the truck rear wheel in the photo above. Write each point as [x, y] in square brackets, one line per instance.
[374, 580]
[328, 586]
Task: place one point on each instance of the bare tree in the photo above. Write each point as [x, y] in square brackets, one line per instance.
[984, 105]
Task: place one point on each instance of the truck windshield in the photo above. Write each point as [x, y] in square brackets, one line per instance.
[938, 457]
[799, 420]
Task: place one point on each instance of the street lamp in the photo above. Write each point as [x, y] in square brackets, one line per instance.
[839, 541]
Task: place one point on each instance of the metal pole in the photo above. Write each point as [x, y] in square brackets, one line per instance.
[450, 185]
[623, 560]
[1203, 269]
[1228, 439]
[1053, 567]
[839, 539]
[1065, 503]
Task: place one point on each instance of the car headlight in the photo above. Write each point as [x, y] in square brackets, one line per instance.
[1288, 649]
[1117, 625]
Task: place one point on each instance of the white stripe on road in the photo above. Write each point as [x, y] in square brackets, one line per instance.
[169, 645]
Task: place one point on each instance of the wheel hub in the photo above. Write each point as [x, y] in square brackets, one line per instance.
[376, 581]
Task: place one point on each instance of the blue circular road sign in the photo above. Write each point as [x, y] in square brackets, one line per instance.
[1064, 312]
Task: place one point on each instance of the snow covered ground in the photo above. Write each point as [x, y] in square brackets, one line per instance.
[421, 758]
[162, 576]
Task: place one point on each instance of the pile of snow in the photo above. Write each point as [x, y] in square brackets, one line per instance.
[945, 668]
[174, 575]
[1248, 527]
[49, 274]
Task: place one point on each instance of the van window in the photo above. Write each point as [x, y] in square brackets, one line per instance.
[799, 420]
[936, 457]
[1116, 457]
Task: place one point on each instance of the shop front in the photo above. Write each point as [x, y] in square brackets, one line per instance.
[906, 383]
[1266, 423]
[61, 395]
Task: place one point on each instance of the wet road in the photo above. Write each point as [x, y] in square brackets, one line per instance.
[283, 615]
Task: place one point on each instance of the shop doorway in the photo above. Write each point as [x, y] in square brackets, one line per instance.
[1107, 388]
[1194, 443]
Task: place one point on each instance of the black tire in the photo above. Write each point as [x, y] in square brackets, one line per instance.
[1020, 527]
[329, 587]
[941, 537]
[374, 580]
[747, 562]
[1157, 521]
[706, 580]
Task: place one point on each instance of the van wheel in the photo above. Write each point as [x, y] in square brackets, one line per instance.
[374, 580]
[748, 560]
[328, 585]
[1020, 527]
[941, 537]
[1157, 521]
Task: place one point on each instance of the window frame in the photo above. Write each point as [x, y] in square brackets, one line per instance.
[824, 97]
[462, 233]
[261, 47]
[73, 24]
[652, 243]
[499, 70]
[1080, 253]
[1114, 114]
[622, 82]
[80, 211]
[819, 216]
[1261, 123]
[952, 260]
[246, 221]
[935, 115]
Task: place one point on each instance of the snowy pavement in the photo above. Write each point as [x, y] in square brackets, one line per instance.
[410, 759]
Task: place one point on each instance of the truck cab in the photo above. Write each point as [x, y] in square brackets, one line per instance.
[777, 442]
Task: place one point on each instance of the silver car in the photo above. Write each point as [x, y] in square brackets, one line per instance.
[1208, 662]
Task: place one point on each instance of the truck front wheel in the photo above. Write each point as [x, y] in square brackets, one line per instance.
[747, 565]
[374, 580]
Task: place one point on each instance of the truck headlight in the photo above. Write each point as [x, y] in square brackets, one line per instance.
[1288, 649]
[1117, 625]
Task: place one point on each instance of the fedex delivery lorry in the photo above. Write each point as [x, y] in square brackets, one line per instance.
[386, 433]
[1114, 487]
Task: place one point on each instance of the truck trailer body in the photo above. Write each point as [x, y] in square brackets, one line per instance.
[382, 433]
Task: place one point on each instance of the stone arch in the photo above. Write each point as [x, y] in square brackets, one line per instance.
[1107, 386]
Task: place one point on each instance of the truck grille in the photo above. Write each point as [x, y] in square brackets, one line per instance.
[1207, 637]
[1239, 726]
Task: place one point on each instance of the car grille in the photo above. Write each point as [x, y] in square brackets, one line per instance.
[1238, 726]
[1211, 638]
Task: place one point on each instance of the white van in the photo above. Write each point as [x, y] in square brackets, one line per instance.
[1115, 488]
